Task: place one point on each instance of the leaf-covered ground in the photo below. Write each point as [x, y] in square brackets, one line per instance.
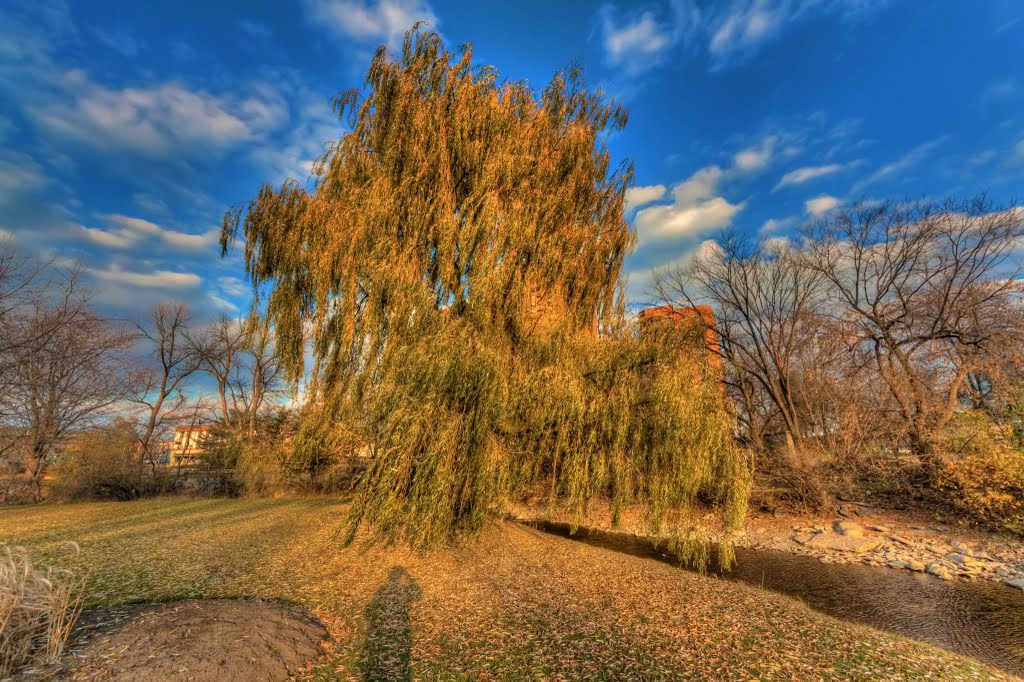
[510, 603]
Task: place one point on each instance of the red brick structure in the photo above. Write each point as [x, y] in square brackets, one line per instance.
[700, 317]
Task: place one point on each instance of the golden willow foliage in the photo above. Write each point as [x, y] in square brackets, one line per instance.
[416, 266]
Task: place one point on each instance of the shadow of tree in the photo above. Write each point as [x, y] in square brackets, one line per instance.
[386, 651]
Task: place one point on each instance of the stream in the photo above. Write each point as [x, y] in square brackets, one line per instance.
[982, 619]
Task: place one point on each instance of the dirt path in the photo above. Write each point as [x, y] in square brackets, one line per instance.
[221, 640]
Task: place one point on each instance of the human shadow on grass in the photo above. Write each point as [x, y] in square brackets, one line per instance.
[386, 651]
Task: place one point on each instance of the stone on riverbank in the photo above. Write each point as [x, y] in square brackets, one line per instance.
[850, 529]
[843, 543]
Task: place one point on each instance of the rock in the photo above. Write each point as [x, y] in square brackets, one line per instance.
[915, 565]
[937, 570]
[867, 512]
[961, 547]
[803, 538]
[899, 564]
[880, 529]
[957, 558]
[1016, 582]
[850, 529]
[844, 512]
[940, 528]
[902, 540]
[843, 543]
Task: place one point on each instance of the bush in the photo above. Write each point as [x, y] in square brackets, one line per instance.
[985, 470]
[291, 450]
[102, 464]
[38, 609]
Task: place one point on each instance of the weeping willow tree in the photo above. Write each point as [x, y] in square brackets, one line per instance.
[450, 268]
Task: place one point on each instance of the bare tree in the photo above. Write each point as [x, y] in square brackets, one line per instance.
[763, 298]
[223, 346]
[260, 377]
[172, 357]
[64, 380]
[925, 287]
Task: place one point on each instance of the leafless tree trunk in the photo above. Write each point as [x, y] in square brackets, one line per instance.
[172, 358]
[762, 298]
[224, 344]
[62, 381]
[264, 369]
[925, 286]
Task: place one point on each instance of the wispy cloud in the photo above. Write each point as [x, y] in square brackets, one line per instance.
[1001, 89]
[121, 41]
[727, 30]
[164, 279]
[806, 174]
[156, 120]
[756, 157]
[19, 175]
[819, 206]
[904, 163]
[371, 20]
[774, 225]
[123, 232]
[636, 43]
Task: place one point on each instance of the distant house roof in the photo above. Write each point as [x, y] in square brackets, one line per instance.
[195, 427]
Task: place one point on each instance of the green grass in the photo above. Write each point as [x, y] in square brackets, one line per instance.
[510, 603]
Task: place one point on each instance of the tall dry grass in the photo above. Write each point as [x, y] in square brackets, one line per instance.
[38, 608]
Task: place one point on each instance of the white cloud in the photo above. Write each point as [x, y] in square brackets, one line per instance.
[819, 206]
[696, 209]
[806, 174]
[638, 196]
[158, 120]
[167, 279]
[904, 163]
[222, 303]
[19, 174]
[747, 25]
[756, 158]
[773, 225]
[233, 286]
[727, 29]
[371, 20]
[635, 44]
[125, 232]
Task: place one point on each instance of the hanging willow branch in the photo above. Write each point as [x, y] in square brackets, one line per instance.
[450, 266]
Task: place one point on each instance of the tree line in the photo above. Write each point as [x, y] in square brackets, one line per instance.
[66, 370]
[868, 332]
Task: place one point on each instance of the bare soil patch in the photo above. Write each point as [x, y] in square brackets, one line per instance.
[220, 639]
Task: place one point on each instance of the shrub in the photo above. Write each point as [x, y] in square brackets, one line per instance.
[38, 609]
[102, 464]
[290, 450]
[985, 470]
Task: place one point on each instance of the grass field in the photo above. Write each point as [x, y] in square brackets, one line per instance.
[510, 603]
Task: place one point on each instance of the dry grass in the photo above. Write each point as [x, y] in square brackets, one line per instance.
[38, 609]
[508, 604]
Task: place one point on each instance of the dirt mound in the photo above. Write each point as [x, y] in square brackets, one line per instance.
[195, 640]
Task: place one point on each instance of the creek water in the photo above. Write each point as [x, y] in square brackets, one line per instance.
[982, 619]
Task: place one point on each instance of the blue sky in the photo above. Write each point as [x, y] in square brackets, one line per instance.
[126, 129]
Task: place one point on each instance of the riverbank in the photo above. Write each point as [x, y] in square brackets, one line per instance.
[508, 603]
[862, 534]
[858, 533]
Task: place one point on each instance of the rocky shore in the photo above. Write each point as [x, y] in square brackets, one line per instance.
[859, 533]
[867, 536]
